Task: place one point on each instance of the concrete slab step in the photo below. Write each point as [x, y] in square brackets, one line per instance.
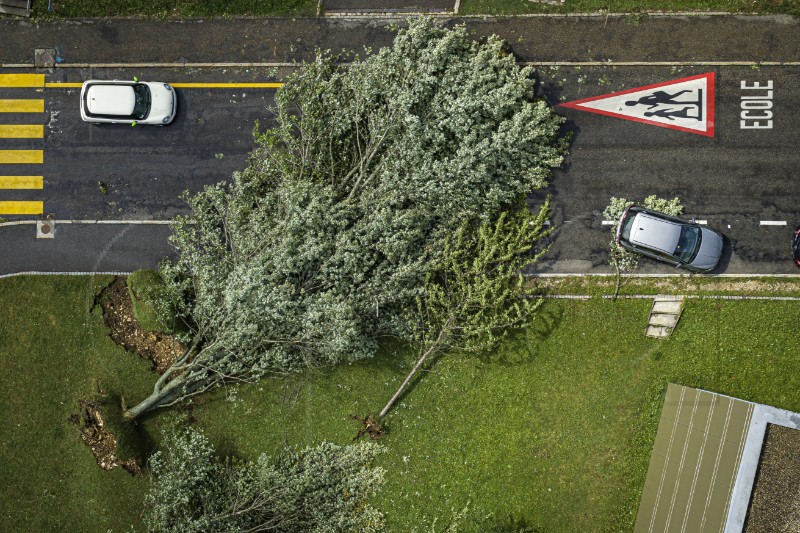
[663, 319]
[667, 306]
[659, 332]
[18, 11]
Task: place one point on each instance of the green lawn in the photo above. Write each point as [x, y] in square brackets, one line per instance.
[520, 7]
[232, 8]
[53, 353]
[554, 431]
[175, 8]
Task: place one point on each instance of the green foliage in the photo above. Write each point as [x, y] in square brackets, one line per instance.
[317, 489]
[145, 287]
[324, 242]
[475, 296]
[621, 259]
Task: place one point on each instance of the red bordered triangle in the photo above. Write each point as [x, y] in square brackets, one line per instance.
[686, 104]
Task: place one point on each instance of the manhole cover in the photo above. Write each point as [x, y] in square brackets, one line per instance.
[45, 229]
[44, 57]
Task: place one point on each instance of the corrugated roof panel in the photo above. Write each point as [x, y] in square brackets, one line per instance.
[695, 458]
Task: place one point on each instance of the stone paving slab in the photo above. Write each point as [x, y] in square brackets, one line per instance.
[666, 306]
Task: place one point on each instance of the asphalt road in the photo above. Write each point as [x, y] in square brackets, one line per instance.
[736, 180]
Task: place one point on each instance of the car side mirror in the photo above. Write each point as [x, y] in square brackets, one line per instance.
[133, 124]
[135, 78]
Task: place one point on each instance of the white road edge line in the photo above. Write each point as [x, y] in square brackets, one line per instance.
[64, 274]
[772, 223]
[57, 221]
[607, 63]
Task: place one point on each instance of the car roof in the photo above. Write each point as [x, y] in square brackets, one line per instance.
[110, 99]
[655, 232]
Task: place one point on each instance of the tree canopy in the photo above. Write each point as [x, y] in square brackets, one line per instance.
[316, 489]
[324, 242]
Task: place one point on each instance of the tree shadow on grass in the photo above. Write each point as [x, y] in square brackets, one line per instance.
[522, 345]
[134, 440]
[509, 524]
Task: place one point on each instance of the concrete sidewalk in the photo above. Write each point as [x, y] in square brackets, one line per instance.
[616, 38]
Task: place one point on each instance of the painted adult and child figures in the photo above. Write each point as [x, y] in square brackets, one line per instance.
[672, 108]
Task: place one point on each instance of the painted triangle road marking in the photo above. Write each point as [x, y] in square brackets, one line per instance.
[686, 104]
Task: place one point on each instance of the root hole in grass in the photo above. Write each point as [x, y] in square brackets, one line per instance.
[159, 348]
[100, 440]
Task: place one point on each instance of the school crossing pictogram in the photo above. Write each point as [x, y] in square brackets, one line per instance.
[686, 104]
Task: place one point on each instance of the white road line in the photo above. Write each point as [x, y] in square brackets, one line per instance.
[609, 222]
[37, 273]
[772, 223]
[21, 222]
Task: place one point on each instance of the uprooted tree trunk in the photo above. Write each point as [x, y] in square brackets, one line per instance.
[174, 385]
[431, 349]
[475, 296]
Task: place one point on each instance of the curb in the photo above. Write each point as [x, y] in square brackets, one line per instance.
[611, 274]
[583, 14]
[672, 296]
[3, 276]
[180, 64]
[56, 221]
[606, 63]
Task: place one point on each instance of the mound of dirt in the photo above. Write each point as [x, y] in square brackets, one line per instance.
[102, 442]
[159, 348]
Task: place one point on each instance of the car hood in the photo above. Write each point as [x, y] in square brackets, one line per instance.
[710, 250]
[162, 101]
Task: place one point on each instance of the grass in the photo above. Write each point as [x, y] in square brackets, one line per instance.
[603, 286]
[553, 431]
[174, 8]
[521, 7]
[142, 288]
[232, 8]
[53, 352]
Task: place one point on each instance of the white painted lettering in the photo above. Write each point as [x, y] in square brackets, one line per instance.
[755, 104]
[767, 96]
[754, 115]
[755, 125]
[757, 85]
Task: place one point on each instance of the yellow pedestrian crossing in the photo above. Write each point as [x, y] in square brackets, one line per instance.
[33, 157]
[21, 131]
[21, 208]
[21, 182]
[21, 80]
[21, 106]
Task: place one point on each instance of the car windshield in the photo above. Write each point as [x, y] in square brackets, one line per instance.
[688, 243]
[142, 106]
[627, 224]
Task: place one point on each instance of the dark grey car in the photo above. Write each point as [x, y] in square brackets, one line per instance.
[669, 239]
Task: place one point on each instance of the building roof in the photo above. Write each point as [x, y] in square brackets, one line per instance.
[695, 461]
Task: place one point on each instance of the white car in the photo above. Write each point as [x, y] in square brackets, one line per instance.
[128, 102]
